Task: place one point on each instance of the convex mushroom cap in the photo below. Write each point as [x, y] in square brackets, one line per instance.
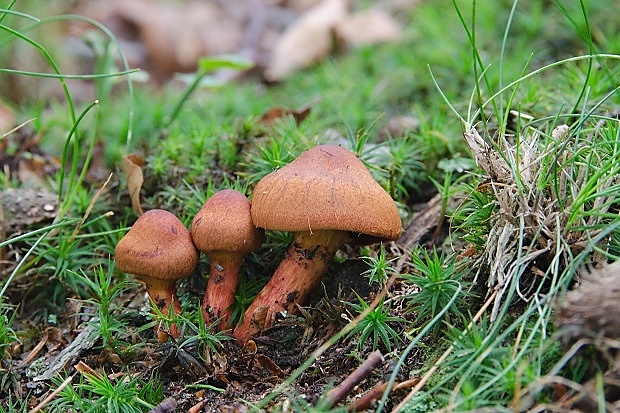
[158, 246]
[158, 250]
[326, 188]
[224, 223]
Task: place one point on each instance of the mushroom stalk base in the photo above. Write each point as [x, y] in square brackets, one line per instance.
[164, 295]
[221, 287]
[302, 268]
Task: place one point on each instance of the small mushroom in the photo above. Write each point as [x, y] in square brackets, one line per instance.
[224, 231]
[158, 250]
[327, 197]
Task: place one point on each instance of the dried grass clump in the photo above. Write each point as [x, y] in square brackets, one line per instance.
[553, 196]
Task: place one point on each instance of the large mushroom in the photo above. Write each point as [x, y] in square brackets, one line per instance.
[158, 250]
[224, 231]
[327, 198]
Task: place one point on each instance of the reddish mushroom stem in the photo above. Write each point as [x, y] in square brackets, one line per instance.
[164, 295]
[224, 231]
[220, 293]
[302, 268]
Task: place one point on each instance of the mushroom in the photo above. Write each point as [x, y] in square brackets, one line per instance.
[224, 231]
[327, 198]
[158, 250]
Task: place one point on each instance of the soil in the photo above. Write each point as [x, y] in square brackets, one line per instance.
[203, 380]
[247, 372]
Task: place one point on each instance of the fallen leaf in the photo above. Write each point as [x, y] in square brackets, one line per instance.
[176, 36]
[87, 370]
[301, 5]
[31, 171]
[132, 164]
[367, 27]
[197, 407]
[273, 114]
[305, 41]
[269, 365]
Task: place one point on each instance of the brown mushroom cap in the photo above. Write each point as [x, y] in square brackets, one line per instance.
[224, 224]
[158, 246]
[326, 188]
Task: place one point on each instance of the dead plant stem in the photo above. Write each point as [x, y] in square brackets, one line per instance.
[53, 394]
[339, 392]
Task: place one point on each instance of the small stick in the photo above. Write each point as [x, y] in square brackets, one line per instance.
[86, 369]
[376, 392]
[326, 345]
[33, 353]
[52, 395]
[340, 392]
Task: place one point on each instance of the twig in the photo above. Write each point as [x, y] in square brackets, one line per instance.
[340, 392]
[15, 129]
[52, 395]
[443, 357]
[325, 346]
[376, 392]
[89, 209]
[33, 353]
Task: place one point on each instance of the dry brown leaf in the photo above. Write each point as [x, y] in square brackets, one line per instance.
[197, 407]
[306, 41]
[367, 27]
[132, 164]
[301, 5]
[275, 113]
[176, 37]
[168, 405]
[268, 364]
[84, 368]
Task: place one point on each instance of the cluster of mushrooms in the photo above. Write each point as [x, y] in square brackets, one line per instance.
[326, 197]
